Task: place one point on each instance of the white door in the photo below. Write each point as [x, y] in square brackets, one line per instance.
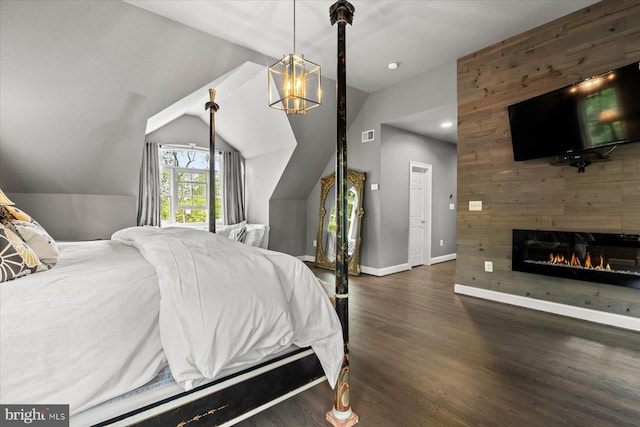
[419, 214]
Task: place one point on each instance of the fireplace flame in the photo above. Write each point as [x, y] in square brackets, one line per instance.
[575, 261]
[587, 262]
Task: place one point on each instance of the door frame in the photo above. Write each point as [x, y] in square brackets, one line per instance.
[428, 212]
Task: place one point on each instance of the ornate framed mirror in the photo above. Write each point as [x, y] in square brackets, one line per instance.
[326, 238]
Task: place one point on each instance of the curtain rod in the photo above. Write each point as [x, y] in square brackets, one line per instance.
[187, 147]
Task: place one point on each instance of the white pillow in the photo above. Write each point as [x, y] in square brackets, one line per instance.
[225, 230]
[257, 235]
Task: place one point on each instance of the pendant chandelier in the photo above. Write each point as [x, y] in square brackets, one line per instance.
[294, 82]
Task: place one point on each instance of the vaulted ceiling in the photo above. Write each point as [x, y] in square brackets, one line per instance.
[418, 35]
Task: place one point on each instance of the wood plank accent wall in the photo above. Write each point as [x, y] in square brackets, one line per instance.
[534, 194]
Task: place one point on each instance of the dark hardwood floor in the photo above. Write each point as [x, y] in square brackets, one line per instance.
[424, 356]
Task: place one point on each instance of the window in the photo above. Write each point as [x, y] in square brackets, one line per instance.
[184, 187]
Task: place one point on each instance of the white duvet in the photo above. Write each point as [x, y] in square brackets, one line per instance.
[224, 303]
[105, 320]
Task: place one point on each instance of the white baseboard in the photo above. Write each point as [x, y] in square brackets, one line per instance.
[610, 319]
[364, 268]
[443, 258]
[386, 270]
[403, 267]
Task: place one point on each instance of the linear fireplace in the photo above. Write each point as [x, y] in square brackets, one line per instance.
[594, 257]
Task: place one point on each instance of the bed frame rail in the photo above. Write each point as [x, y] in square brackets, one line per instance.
[231, 399]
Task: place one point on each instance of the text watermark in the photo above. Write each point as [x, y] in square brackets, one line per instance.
[35, 415]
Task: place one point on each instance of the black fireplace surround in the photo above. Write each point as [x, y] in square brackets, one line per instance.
[593, 257]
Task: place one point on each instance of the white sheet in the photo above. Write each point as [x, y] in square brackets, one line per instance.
[224, 303]
[82, 332]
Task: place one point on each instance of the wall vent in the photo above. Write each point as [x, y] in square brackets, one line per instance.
[368, 136]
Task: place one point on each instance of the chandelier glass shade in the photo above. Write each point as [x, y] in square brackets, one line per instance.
[294, 85]
[294, 82]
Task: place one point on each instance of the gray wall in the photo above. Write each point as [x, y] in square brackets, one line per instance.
[187, 129]
[262, 177]
[315, 134]
[288, 223]
[421, 93]
[400, 147]
[78, 216]
[424, 92]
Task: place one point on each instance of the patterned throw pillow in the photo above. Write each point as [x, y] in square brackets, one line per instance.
[37, 238]
[238, 234]
[32, 233]
[11, 212]
[16, 257]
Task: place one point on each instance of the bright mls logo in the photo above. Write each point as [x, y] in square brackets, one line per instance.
[35, 415]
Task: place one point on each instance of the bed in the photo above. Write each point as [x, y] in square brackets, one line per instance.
[111, 315]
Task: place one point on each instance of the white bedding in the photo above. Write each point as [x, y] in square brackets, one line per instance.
[82, 332]
[88, 330]
[224, 303]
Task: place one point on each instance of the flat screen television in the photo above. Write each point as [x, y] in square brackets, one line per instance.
[598, 112]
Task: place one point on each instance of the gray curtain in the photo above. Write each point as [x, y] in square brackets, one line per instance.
[149, 193]
[233, 191]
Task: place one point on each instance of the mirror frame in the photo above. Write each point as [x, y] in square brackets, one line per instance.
[327, 183]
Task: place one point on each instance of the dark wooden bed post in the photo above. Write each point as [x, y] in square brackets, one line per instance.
[212, 107]
[341, 13]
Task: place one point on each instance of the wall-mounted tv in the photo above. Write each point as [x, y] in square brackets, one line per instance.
[598, 112]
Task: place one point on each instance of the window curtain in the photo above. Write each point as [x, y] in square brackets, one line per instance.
[233, 191]
[149, 192]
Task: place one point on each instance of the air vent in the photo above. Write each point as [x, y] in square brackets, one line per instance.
[368, 136]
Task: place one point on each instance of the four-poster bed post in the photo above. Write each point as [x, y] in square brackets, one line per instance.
[341, 13]
[213, 108]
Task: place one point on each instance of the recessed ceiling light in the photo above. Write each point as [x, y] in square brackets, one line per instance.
[446, 124]
[393, 65]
